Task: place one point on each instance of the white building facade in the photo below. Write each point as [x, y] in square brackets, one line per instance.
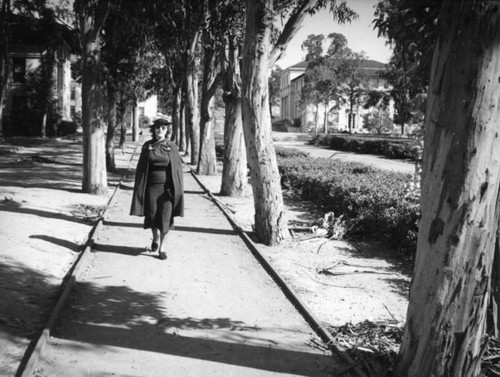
[325, 117]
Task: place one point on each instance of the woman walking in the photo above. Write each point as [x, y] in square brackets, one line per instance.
[158, 190]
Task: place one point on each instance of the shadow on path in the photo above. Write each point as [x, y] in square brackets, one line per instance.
[121, 317]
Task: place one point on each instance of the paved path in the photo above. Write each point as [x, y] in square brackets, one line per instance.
[290, 141]
[208, 310]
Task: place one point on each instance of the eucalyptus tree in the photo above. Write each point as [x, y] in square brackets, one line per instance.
[259, 55]
[5, 70]
[91, 16]
[167, 34]
[445, 333]
[234, 169]
[127, 64]
[178, 25]
[211, 45]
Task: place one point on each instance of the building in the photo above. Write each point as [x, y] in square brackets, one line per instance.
[34, 57]
[311, 117]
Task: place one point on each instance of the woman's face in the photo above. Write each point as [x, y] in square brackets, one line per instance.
[161, 131]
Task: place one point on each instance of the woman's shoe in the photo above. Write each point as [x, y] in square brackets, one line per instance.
[162, 255]
[154, 246]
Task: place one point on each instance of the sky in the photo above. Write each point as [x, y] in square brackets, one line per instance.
[359, 33]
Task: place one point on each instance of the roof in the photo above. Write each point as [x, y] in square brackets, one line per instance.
[26, 30]
[370, 66]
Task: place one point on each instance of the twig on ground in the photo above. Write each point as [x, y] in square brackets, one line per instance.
[331, 285]
[388, 311]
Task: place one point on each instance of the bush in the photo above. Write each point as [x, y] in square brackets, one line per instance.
[66, 127]
[392, 148]
[372, 201]
[219, 145]
[290, 152]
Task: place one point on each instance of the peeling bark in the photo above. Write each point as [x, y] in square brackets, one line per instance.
[270, 220]
[449, 296]
[94, 160]
[234, 169]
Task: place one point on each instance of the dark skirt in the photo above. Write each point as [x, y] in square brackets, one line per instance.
[158, 205]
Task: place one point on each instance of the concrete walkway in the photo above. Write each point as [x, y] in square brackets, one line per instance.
[208, 310]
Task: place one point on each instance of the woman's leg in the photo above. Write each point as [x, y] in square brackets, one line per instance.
[156, 239]
[161, 251]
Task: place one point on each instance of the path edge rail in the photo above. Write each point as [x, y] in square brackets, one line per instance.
[34, 352]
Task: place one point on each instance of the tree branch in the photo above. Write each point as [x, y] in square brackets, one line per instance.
[291, 28]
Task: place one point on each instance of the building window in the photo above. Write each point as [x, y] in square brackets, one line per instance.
[72, 111]
[73, 93]
[19, 70]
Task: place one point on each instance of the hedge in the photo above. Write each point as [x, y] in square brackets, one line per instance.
[372, 200]
[390, 147]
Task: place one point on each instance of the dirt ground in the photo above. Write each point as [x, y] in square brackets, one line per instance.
[46, 220]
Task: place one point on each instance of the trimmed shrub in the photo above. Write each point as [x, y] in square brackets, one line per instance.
[390, 147]
[372, 200]
[289, 152]
[65, 128]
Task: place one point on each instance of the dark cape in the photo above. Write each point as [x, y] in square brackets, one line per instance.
[141, 177]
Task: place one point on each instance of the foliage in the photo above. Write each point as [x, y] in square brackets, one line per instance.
[377, 121]
[289, 152]
[411, 27]
[66, 127]
[274, 86]
[389, 147]
[335, 77]
[371, 201]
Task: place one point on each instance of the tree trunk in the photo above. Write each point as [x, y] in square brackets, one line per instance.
[495, 289]
[325, 120]
[176, 108]
[207, 163]
[234, 168]
[183, 142]
[5, 71]
[192, 122]
[316, 117]
[121, 116]
[270, 220]
[135, 122]
[110, 135]
[449, 296]
[94, 161]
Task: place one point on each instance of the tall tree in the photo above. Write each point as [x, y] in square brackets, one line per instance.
[91, 18]
[258, 56]
[211, 41]
[234, 169]
[460, 203]
[5, 70]
[353, 83]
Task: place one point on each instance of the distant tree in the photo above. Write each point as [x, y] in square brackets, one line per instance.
[377, 122]
[354, 83]
[335, 78]
[380, 120]
[127, 64]
[274, 88]
[314, 46]
[411, 28]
